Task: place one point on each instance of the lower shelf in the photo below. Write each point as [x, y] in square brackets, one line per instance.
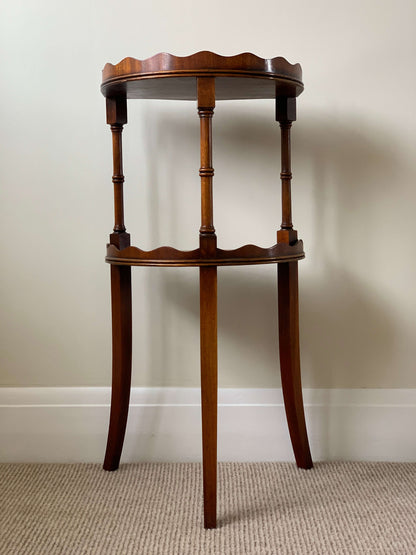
[168, 256]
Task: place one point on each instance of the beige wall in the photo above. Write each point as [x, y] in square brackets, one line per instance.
[354, 192]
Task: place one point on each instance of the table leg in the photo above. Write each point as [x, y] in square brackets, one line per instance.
[290, 361]
[122, 338]
[208, 326]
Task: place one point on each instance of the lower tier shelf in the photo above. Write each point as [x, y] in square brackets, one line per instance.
[168, 256]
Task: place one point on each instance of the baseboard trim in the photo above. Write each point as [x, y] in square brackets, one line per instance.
[70, 424]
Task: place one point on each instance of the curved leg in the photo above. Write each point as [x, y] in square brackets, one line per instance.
[290, 361]
[120, 393]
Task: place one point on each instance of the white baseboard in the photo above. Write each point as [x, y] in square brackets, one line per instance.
[70, 424]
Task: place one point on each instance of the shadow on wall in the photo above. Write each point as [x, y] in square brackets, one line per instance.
[347, 335]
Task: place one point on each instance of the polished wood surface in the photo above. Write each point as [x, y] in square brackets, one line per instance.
[122, 346]
[165, 76]
[208, 303]
[206, 105]
[205, 77]
[121, 305]
[168, 256]
[116, 118]
[288, 300]
[209, 389]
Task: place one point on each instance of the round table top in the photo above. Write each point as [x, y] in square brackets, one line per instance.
[165, 76]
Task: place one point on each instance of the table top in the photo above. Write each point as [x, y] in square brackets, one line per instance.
[165, 76]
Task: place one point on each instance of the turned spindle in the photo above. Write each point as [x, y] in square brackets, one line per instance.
[206, 105]
[116, 118]
[285, 114]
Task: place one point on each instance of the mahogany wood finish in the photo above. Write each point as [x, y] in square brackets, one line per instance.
[117, 117]
[122, 346]
[121, 308]
[288, 300]
[205, 77]
[208, 304]
[173, 77]
[208, 346]
[206, 105]
[168, 256]
[286, 176]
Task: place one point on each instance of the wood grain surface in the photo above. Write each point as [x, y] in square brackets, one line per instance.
[165, 76]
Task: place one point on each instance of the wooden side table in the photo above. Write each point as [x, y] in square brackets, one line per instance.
[205, 77]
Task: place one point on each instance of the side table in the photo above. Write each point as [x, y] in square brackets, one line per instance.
[205, 77]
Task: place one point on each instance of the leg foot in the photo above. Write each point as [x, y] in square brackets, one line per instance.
[208, 322]
[290, 361]
[120, 393]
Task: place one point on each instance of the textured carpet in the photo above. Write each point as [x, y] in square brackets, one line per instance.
[264, 508]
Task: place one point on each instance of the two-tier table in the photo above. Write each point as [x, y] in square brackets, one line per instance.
[205, 77]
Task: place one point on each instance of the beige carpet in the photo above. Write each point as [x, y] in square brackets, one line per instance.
[264, 508]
